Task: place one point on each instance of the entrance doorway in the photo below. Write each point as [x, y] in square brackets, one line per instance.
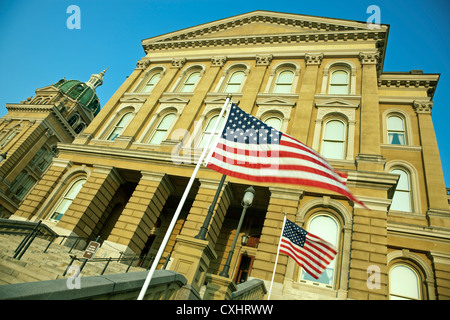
[244, 269]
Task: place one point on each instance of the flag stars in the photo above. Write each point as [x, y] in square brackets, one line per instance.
[244, 128]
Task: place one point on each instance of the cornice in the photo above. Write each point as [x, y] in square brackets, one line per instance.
[113, 152]
[412, 80]
[268, 39]
[50, 109]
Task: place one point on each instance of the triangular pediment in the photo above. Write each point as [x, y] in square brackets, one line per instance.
[49, 88]
[171, 98]
[275, 101]
[340, 103]
[132, 98]
[260, 23]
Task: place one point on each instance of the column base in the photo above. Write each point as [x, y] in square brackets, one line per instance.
[191, 258]
[218, 288]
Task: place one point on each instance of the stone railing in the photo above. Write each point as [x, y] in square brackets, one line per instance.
[253, 289]
[8, 226]
[125, 286]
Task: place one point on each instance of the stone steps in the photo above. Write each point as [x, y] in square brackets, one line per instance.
[35, 265]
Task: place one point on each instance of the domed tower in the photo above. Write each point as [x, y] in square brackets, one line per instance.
[81, 103]
[31, 129]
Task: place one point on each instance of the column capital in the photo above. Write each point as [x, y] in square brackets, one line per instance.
[214, 184]
[263, 60]
[218, 61]
[368, 58]
[109, 170]
[159, 177]
[142, 64]
[423, 106]
[312, 59]
[178, 62]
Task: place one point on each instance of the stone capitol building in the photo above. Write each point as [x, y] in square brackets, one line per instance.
[117, 171]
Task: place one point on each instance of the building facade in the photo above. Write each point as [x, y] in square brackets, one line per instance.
[321, 81]
[31, 130]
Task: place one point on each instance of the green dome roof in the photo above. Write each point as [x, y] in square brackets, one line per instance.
[81, 92]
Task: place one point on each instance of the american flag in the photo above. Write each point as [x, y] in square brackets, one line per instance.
[249, 149]
[312, 253]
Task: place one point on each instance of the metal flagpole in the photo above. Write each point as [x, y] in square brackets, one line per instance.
[276, 259]
[180, 206]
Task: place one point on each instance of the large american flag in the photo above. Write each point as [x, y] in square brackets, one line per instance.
[249, 149]
[312, 253]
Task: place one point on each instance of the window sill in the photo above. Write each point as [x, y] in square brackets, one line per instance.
[309, 290]
[401, 147]
[336, 163]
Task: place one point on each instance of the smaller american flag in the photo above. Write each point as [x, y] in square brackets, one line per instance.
[312, 253]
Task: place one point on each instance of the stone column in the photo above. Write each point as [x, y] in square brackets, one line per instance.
[191, 256]
[368, 279]
[441, 263]
[434, 177]
[89, 205]
[199, 209]
[31, 138]
[281, 201]
[253, 83]
[369, 158]
[305, 103]
[40, 193]
[140, 213]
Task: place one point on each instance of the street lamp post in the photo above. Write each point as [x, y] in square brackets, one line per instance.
[204, 229]
[246, 203]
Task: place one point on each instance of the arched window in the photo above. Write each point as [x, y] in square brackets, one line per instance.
[9, 137]
[208, 130]
[67, 199]
[151, 82]
[190, 82]
[22, 184]
[161, 130]
[43, 158]
[274, 122]
[120, 126]
[404, 283]
[339, 82]
[284, 80]
[73, 119]
[334, 140]
[325, 227]
[402, 196]
[80, 128]
[234, 82]
[396, 130]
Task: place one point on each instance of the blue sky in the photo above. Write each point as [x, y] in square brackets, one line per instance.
[37, 48]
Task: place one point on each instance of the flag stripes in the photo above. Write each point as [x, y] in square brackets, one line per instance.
[249, 149]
